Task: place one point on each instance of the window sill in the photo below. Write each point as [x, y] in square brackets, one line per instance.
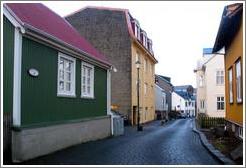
[239, 102]
[66, 95]
[220, 84]
[87, 97]
[220, 110]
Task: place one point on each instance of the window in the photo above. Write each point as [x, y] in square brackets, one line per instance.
[240, 132]
[238, 81]
[201, 81]
[150, 68]
[137, 57]
[220, 103]
[145, 64]
[137, 29]
[186, 104]
[145, 88]
[87, 80]
[66, 75]
[144, 37]
[202, 104]
[230, 85]
[220, 77]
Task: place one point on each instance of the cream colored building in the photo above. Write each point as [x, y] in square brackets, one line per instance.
[210, 84]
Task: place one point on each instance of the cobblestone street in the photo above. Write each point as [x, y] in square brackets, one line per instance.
[172, 144]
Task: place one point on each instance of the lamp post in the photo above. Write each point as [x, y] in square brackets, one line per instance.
[139, 128]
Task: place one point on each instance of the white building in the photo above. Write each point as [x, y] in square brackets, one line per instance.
[183, 103]
[161, 105]
[210, 84]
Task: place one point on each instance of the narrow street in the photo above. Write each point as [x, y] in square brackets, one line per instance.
[172, 144]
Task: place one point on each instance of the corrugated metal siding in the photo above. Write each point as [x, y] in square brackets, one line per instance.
[40, 104]
[8, 62]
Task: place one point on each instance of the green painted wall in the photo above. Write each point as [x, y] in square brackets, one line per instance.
[39, 101]
[8, 64]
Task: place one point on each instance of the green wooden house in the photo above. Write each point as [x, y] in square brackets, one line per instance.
[56, 86]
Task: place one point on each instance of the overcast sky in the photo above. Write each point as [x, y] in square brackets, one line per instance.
[179, 30]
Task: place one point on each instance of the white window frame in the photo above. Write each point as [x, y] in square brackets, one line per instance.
[240, 132]
[85, 94]
[220, 77]
[202, 104]
[151, 68]
[201, 81]
[220, 101]
[230, 85]
[65, 93]
[238, 81]
[145, 89]
[145, 64]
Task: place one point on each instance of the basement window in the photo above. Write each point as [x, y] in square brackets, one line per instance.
[240, 132]
[66, 75]
[87, 80]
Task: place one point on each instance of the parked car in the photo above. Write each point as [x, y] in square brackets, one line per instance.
[183, 115]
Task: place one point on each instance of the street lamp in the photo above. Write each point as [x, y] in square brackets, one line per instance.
[139, 128]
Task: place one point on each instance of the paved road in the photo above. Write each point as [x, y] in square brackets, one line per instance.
[172, 144]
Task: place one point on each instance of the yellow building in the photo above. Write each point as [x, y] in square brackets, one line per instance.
[147, 79]
[230, 37]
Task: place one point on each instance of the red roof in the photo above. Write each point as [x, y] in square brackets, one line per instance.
[41, 17]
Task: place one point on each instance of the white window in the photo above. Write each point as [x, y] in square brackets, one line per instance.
[137, 57]
[220, 77]
[139, 33]
[87, 80]
[220, 103]
[145, 64]
[137, 29]
[145, 88]
[66, 75]
[238, 81]
[201, 80]
[240, 132]
[230, 85]
[202, 104]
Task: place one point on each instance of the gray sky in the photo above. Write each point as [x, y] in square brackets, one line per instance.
[179, 30]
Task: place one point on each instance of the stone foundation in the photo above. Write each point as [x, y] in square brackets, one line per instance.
[33, 142]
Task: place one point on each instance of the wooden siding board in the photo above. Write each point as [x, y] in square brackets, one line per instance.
[234, 111]
[8, 64]
[40, 103]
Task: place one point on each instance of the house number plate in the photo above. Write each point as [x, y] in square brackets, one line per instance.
[33, 72]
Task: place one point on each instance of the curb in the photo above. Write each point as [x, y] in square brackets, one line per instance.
[222, 158]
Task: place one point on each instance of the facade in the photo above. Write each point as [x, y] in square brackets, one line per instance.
[183, 100]
[161, 105]
[165, 83]
[116, 34]
[210, 84]
[56, 85]
[230, 37]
